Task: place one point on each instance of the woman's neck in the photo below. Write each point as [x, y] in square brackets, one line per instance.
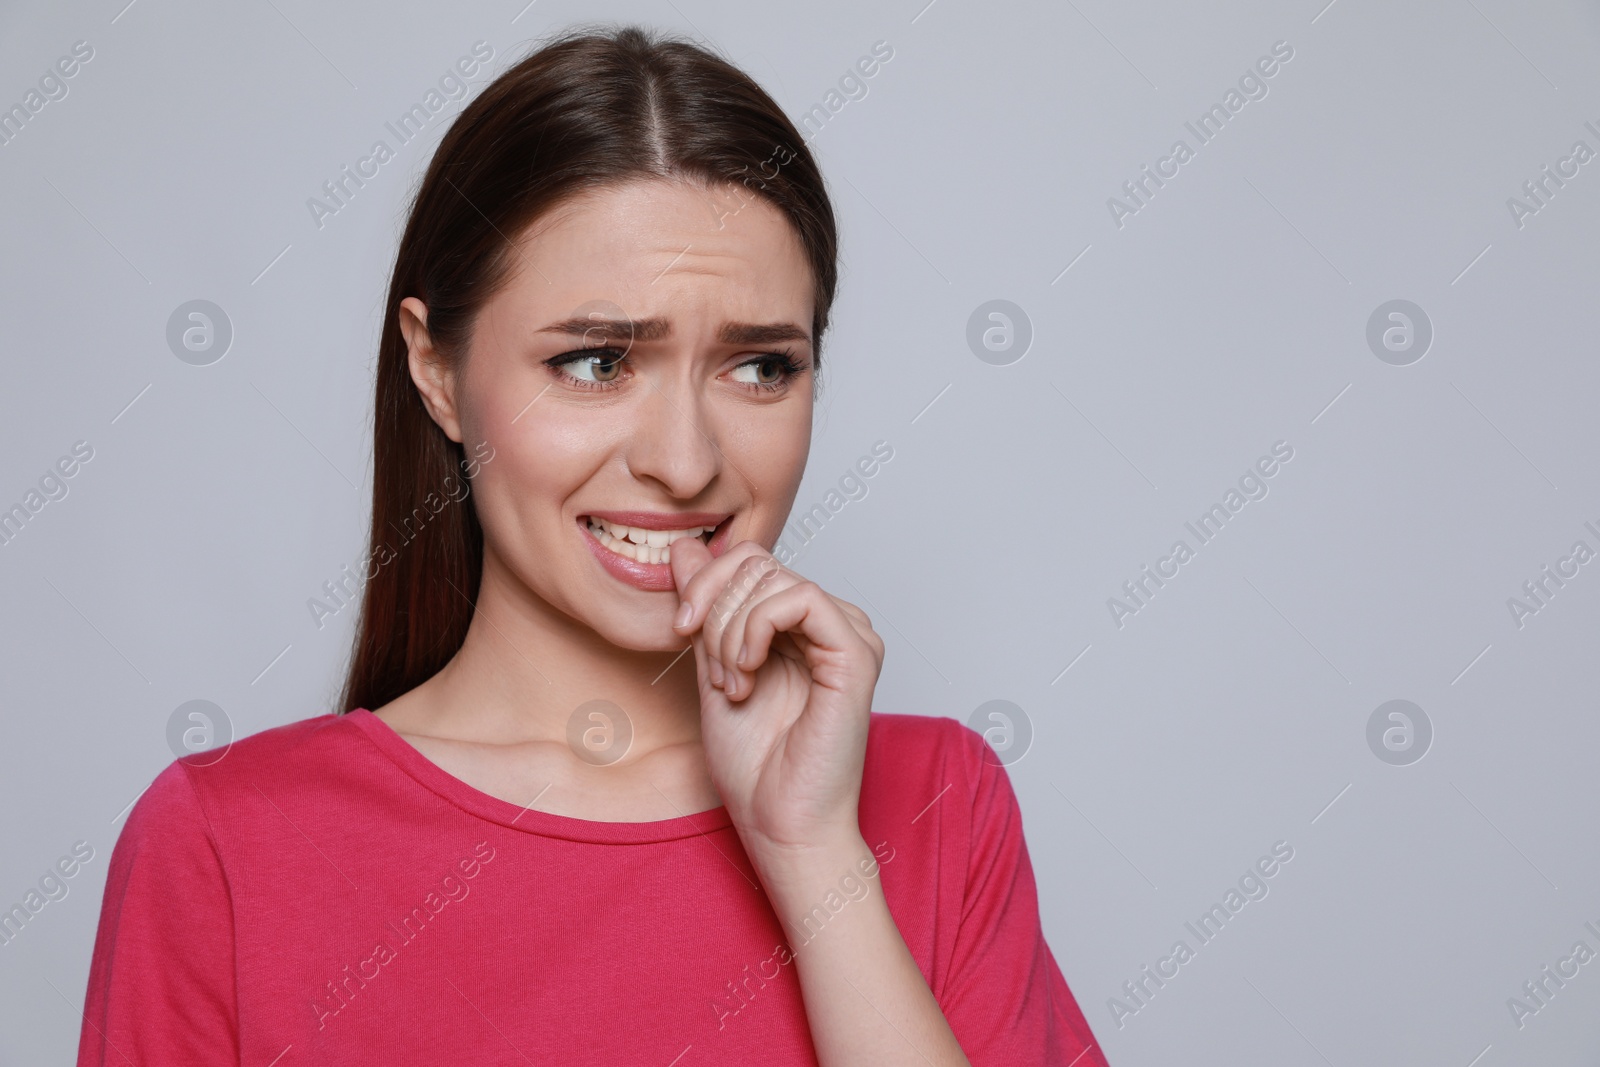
[526, 667]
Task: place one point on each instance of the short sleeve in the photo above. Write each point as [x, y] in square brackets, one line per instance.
[1007, 1001]
[161, 981]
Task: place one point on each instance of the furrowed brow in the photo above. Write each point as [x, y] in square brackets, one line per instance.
[600, 329]
[733, 333]
[752, 333]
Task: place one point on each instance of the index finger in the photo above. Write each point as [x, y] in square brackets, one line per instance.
[702, 579]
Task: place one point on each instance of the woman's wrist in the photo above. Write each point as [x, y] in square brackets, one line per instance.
[800, 878]
[856, 972]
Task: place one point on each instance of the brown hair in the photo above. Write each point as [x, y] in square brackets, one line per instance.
[592, 108]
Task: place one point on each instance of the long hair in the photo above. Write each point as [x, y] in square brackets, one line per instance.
[592, 108]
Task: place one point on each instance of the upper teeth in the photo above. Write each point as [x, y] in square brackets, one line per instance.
[637, 543]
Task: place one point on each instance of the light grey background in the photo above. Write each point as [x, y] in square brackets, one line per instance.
[1229, 313]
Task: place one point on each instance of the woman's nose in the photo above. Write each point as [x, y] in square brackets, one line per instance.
[673, 439]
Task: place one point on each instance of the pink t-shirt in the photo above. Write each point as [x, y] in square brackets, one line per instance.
[324, 894]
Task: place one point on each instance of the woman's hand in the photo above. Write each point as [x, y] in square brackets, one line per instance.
[784, 723]
[785, 732]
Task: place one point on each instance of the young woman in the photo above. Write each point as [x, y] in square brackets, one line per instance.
[540, 832]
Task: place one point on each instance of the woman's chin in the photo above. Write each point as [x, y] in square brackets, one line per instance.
[642, 633]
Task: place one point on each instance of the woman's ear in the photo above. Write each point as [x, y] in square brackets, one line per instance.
[434, 377]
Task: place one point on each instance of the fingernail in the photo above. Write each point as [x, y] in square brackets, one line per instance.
[716, 673]
[744, 653]
[685, 613]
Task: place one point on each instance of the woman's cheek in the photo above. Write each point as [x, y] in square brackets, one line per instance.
[776, 451]
[544, 465]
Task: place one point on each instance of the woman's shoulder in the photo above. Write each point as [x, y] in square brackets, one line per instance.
[899, 736]
[189, 787]
[913, 761]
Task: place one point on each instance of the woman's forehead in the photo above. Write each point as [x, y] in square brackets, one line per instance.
[659, 250]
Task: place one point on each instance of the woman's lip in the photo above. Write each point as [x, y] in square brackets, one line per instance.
[662, 520]
[651, 577]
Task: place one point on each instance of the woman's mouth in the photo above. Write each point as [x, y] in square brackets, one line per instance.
[642, 545]
[636, 547]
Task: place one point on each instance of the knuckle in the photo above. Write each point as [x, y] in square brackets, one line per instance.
[724, 606]
[754, 572]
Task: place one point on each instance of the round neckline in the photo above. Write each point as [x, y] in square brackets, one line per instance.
[528, 820]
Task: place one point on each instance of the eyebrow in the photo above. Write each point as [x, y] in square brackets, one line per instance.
[733, 333]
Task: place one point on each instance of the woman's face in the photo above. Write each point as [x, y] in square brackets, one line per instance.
[648, 366]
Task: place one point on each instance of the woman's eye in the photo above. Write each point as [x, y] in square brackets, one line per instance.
[765, 371]
[601, 367]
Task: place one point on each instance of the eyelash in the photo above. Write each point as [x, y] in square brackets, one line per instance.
[788, 364]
